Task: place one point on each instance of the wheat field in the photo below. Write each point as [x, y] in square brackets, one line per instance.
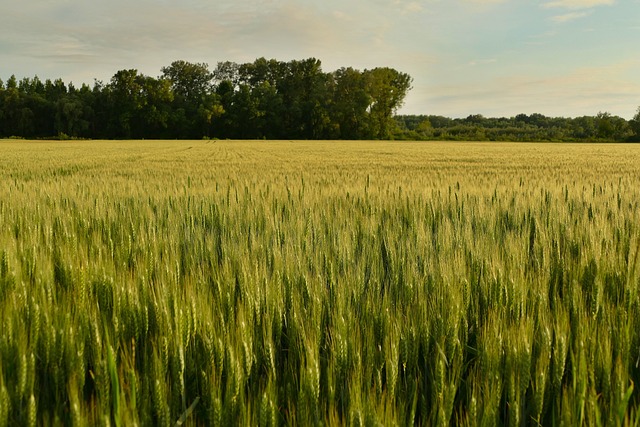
[310, 283]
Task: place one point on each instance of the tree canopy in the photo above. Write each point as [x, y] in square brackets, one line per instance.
[268, 99]
[262, 99]
[523, 127]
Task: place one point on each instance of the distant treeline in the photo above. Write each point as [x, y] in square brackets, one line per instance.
[523, 127]
[264, 99]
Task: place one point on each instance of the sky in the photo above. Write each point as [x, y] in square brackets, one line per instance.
[497, 58]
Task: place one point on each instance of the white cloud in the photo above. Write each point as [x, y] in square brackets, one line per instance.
[340, 15]
[486, 1]
[577, 4]
[581, 91]
[408, 7]
[567, 17]
[476, 62]
[413, 7]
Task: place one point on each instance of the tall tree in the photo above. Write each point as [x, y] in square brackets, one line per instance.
[635, 125]
[604, 125]
[350, 103]
[305, 94]
[210, 109]
[227, 72]
[387, 89]
[156, 109]
[195, 103]
[264, 98]
[266, 78]
[18, 117]
[69, 116]
[584, 128]
[125, 98]
[190, 82]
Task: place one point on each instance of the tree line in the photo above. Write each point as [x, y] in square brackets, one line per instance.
[263, 99]
[266, 99]
[523, 127]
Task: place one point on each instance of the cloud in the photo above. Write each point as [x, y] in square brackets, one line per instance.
[577, 4]
[413, 7]
[546, 34]
[342, 16]
[581, 91]
[79, 40]
[476, 62]
[486, 1]
[407, 7]
[567, 17]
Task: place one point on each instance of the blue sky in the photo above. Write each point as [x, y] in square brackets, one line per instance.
[491, 57]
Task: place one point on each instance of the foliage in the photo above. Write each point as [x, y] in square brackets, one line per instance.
[534, 127]
[272, 283]
[635, 125]
[267, 99]
[263, 99]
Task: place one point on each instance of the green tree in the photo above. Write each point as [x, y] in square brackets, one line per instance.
[266, 80]
[584, 128]
[190, 82]
[18, 117]
[387, 89]
[2, 113]
[125, 97]
[227, 72]
[195, 103]
[156, 108]
[32, 95]
[634, 124]
[425, 129]
[69, 117]
[210, 108]
[12, 83]
[265, 98]
[621, 129]
[303, 87]
[261, 71]
[271, 107]
[226, 125]
[33, 86]
[53, 90]
[604, 125]
[245, 114]
[350, 103]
